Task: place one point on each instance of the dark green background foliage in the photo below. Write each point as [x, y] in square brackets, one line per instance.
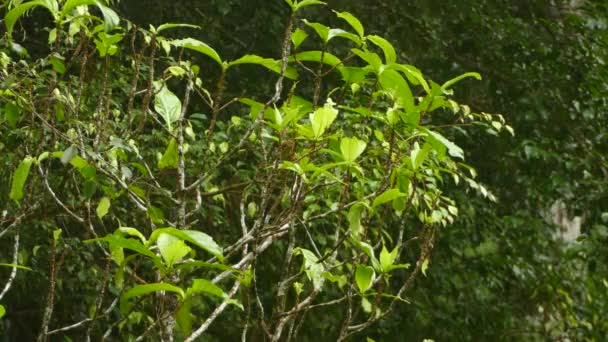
[497, 273]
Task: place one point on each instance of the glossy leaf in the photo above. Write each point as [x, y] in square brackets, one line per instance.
[364, 276]
[390, 56]
[197, 45]
[2, 311]
[205, 286]
[11, 17]
[352, 21]
[268, 63]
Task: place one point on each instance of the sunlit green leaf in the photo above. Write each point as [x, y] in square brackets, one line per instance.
[389, 51]
[387, 196]
[364, 276]
[168, 105]
[351, 148]
[19, 177]
[172, 249]
[197, 238]
[103, 207]
[197, 45]
[352, 21]
[140, 290]
[170, 157]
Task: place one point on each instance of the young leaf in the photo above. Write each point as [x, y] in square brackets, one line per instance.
[387, 196]
[168, 106]
[322, 30]
[389, 51]
[387, 259]
[2, 311]
[197, 45]
[352, 21]
[197, 238]
[304, 3]
[172, 249]
[144, 289]
[364, 276]
[205, 286]
[354, 220]
[297, 37]
[322, 118]
[451, 82]
[16, 266]
[19, 178]
[351, 148]
[170, 26]
[425, 266]
[103, 207]
[131, 232]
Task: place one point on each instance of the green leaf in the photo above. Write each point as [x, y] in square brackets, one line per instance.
[2, 311]
[351, 148]
[110, 18]
[354, 219]
[389, 51]
[205, 286]
[131, 232]
[170, 157]
[370, 58]
[316, 56]
[103, 207]
[140, 290]
[322, 118]
[304, 3]
[387, 259]
[16, 266]
[10, 19]
[425, 266]
[395, 84]
[56, 234]
[12, 114]
[197, 45]
[19, 178]
[268, 63]
[170, 26]
[184, 317]
[388, 196]
[451, 82]
[321, 30]
[197, 238]
[168, 105]
[414, 76]
[58, 65]
[352, 21]
[69, 5]
[453, 149]
[297, 37]
[130, 244]
[312, 267]
[364, 276]
[172, 249]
